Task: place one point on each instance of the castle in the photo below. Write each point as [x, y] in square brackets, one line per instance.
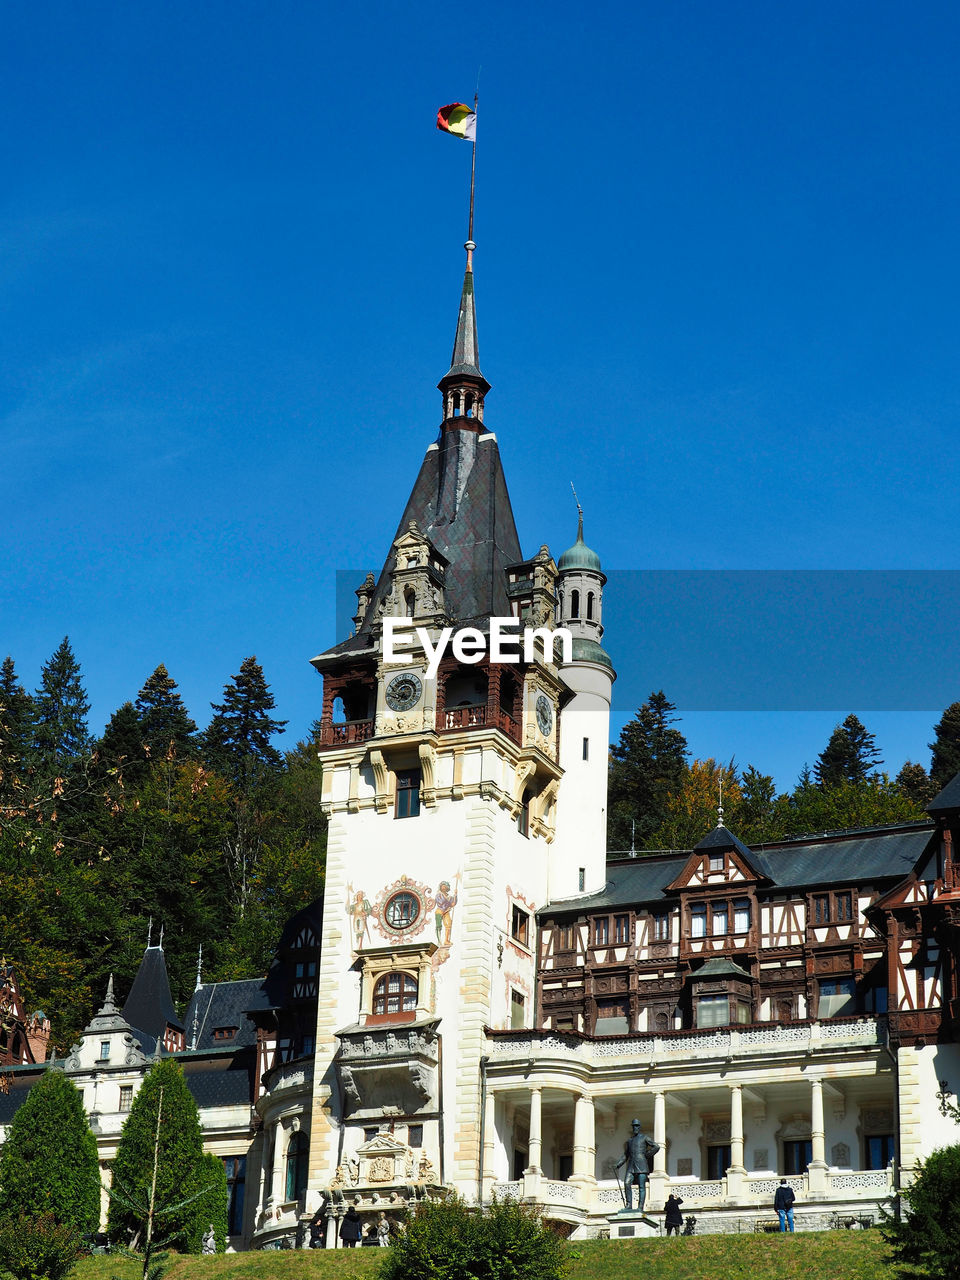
[484, 999]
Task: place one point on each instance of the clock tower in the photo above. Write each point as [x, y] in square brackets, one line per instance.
[443, 778]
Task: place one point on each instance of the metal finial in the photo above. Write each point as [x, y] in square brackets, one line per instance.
[160, 943]
[149, 932]
[579, 514]
[720, 805]
[199, 965]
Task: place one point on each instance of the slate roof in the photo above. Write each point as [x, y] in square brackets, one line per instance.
[149, 1007]
[23, 1081]
[723, 838]
[222, 1086]
[719, 968]
[465, 360]
[948, 799]
[864, 857]
[225, 1004]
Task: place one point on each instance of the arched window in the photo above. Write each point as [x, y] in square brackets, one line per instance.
[523, 817]
[574, 604]
[590, 606]
[339, 712]
[456, 404]
[410, 601]
[395, 993]
[468, 401]
[297, 1152]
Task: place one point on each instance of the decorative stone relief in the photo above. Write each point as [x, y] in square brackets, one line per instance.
[685, 1167]
[761, 1158]
[877, 1119]
[840, 1155]
[716, 1131]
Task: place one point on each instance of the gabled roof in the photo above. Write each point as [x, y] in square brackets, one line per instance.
[866, 857]
[149, 1007]
[948, 801]
[721, 838]
[224, 1004]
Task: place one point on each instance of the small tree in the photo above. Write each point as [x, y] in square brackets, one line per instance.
[157, 1170]
[211, 1208]
[237, 741]
[449, 1241]
[925, 1243]
[49, 1165]
[850, 755]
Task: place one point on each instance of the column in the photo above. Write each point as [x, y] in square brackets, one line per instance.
[657, 1183]
[736, 1129]
[584, 1141]
[489, 1143]
[276, 1191]
[535, 1144]
[817, 1168]
[263, 1190]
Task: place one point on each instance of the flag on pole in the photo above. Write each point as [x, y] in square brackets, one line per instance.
[458, 119]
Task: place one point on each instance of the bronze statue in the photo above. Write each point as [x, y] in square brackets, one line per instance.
[637, 1152]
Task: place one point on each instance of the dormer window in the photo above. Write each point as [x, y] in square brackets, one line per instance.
[104, 1050]
[717, 862]
[225, 1033]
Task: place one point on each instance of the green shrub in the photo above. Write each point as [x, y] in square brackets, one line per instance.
[37, 1248]
[449, 1241]
[926, 1241]
[49, 1162]
[211, 1208]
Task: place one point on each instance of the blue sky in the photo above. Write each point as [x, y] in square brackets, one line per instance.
[716, 284]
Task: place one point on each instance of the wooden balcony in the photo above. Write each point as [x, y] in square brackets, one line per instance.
[480, 716]
[344, 733]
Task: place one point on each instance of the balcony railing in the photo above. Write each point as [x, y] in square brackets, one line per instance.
[344, 733]
[478, 716]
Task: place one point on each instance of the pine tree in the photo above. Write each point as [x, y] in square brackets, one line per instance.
[851, 755]
[913, 781]
[237, 740]
[163, 1121]
[121, 747]
[647, 767]
[61, 710]
[945, 763]
[48, 1164]
[16, 718]
[164, 721]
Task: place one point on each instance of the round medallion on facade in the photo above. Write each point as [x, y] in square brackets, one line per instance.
[402, 910]
[403, 691]
[544, 715]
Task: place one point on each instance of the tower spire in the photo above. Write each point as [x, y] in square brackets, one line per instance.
[463, 385]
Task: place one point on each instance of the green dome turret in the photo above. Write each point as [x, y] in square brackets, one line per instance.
[579, 556]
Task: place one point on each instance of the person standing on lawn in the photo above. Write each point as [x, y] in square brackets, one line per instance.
[672, 1217]
[783, 1203]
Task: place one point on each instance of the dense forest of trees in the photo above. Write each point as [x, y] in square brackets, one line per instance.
[216, 836]
[660, 799]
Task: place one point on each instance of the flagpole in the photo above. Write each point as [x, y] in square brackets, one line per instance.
[470, 246]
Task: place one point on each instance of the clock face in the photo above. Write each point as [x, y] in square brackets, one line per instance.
[403, 692]
[544, 715]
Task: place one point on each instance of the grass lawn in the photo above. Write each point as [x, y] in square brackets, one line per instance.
[820, 1255]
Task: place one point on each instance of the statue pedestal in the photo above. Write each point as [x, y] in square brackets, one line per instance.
[632, 1223]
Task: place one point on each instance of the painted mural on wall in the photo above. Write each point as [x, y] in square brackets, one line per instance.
[359, 908]
[403, 911]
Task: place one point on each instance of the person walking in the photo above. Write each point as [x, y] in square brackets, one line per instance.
[783, 1203]
[672, 1216]
[350, 1228]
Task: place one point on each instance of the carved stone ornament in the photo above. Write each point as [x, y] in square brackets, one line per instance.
[381, 1169]
[716, 1131]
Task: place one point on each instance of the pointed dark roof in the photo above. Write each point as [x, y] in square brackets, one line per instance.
[460, 502]
[465, 361]
[149, 1007]
[948, 801]
[722, 837]
[217, 1005]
